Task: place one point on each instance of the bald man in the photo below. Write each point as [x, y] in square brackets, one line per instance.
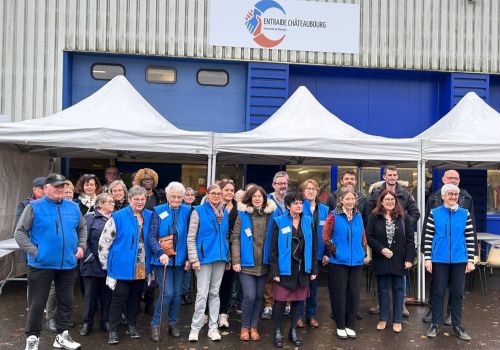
[435, 200]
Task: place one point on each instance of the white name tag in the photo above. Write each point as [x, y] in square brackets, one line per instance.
[163, 215]
[322, 223]
[286, 230]
[248, 232]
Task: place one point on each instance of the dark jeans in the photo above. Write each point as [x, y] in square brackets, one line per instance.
[126, 294]
[96, 290]
[186, 283]
[253, 293]
[455, 274]
[171, 289]
[344, 287]
[226, 291]
[398, 297]
[311, 302]
[39, 281]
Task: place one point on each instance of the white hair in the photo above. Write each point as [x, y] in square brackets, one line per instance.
[449, 188]
[175, 186]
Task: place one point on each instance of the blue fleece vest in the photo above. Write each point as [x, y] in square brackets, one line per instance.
[211, 241]
[269, 232]
[166, 216]
[55, 232]
[348, 238]
[322, 215]
[449, 244]
[123, 253]
[284, 223]
[246, 240]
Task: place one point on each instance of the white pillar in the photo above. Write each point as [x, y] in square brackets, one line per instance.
[420, 232]
[214, 167]
[209, 170]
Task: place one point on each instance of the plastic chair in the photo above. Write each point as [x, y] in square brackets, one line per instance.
[493, 261]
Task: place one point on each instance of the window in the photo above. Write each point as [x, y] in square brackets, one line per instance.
[102, 71]
[161, 75]
[212, 77]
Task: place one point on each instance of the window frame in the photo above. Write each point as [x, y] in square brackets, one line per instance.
[107, 64]
[158, 82]
[211, 70]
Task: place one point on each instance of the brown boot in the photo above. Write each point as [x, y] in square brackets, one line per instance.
[244, 335]
[254, 335]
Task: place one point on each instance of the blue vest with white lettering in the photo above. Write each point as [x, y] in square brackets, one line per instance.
[246, 240]
[348, 238]
[284, 223]
[55, 232]
[211, 242]
[166, 216]
[123, 253]
[322, 215]
[449, 245]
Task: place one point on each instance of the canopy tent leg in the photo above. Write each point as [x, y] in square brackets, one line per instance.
[214, 167]
[421, 208]
[209, 169]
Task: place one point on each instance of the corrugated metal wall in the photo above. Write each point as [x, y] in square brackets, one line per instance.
[448, 35]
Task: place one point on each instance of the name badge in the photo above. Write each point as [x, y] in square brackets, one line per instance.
[286, 230]
[322, 223]
[248, 232]
[163, 215]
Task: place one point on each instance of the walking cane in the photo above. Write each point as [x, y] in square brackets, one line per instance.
[161, 304]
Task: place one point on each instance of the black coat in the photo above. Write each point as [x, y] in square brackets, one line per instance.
[90, 265]
[403, 245]
[297, 276]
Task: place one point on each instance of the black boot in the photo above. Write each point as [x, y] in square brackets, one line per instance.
[174, 331]
[86, 328]
[278, 338]
[294, 337]
[113, 338]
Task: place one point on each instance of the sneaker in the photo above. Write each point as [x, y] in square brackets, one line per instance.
[287, 310]
[459, 331]
[193, 335]
[223, 321]
[341, 333]
[350, 333]
[32, 343]
[64, 341]
[214, 334]
[267, 313]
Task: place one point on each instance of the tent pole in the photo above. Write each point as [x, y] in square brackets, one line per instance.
[209, 169]
[421, 207]
[214, 166]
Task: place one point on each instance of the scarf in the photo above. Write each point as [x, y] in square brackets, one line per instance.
[86, 200]
[218, 210]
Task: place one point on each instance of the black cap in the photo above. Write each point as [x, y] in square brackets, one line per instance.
[55, 179]
[39, 181]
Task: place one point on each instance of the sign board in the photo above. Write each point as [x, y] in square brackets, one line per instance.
[285, 25]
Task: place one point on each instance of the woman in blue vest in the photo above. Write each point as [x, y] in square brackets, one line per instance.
[208, 253]
[449, 251]
[390, 235]
[248, 240]
[343, 237]
[122, 252]
[292, 264]
[318, 212]
[170, 219]
[94, 277]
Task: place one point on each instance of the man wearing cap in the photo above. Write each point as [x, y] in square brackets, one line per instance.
[37, 193]
[53, 233]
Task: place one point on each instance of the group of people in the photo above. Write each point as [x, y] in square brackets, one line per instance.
[274, 244]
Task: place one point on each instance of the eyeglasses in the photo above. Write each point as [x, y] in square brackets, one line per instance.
[388, 200]
[89, 176]
[311, 189]
[228, 180]
[174, 197]
[138, 200]
[451, 194]
[189, 194]
[281, 183]
[452, 178]
[215, 194]
[110, 202]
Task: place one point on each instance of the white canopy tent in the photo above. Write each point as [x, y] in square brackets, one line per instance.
[303, 131]
[116, 121]
[467, 136]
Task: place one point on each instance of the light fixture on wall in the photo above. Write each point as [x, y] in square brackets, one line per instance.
[304, 171]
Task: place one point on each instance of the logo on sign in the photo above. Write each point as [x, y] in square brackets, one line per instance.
[266, 31]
